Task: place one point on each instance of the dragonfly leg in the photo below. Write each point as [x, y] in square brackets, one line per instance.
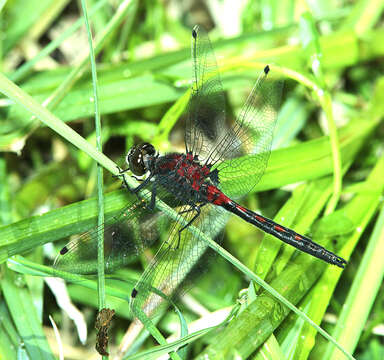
[142, 185]
[121, 171]
[191, 208]
[151, 206]
[121, 175]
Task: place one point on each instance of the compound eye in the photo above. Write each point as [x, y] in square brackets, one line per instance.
[137, 158]
[148, 149]
[135, 161]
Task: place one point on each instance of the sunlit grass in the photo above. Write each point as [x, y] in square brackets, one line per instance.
[329, 60]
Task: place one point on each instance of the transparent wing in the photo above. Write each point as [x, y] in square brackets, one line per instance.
[177, 262]
[248, 144]
[240, 152]
[125, 236]
[206, 108]
[136, 228]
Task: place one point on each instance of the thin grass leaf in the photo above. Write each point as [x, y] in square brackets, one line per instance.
[370, 273]
[28, 324]
[100, 192]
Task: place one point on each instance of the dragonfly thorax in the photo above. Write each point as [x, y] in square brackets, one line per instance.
[184, 176]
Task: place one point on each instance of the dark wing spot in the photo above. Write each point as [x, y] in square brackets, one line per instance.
[64, 250]
[133, 293]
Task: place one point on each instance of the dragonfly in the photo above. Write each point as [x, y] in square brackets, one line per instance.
[221, 163]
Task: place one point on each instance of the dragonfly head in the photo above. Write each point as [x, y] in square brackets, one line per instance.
[139, 158]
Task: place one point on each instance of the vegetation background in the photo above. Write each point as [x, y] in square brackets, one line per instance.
[325, 175]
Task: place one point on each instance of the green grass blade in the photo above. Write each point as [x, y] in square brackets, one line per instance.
[311, 44]
[370, 274]
[15, 93]
[100, 192]
[24, 69]
[360, 211]
[23, 312]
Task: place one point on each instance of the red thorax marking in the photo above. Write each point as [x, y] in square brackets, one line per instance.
[215, 196]
[187, 168]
